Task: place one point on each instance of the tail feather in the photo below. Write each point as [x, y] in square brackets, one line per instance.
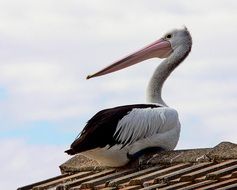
[70, 151]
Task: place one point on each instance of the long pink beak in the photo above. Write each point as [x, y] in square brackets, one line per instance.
[161, 49]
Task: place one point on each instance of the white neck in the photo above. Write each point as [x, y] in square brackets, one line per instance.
[161, 74]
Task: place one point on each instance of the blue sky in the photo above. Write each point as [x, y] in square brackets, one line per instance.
[47, 48]
[3, 93]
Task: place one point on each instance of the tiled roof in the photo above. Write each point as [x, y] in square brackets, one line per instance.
[212, 168]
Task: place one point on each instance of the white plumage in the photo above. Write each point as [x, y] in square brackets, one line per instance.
[160, 127]
[116, 135]
[145, 123]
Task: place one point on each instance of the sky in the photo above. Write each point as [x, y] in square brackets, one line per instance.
[48, 47]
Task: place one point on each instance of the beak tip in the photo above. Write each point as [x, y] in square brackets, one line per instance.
[88, 77]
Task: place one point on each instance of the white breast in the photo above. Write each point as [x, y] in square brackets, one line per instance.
[140, 129]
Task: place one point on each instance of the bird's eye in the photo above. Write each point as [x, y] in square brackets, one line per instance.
[168, 36]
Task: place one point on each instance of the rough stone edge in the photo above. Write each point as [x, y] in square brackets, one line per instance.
[223, 151]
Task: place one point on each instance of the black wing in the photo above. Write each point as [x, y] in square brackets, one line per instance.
[99, 130]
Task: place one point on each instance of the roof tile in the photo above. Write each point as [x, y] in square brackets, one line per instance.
[98, 181]
[220, 184]
[175, 186]
[183, 169]
[225, 171]
[61, 180]
[198, 185]
[179, 173]
[78, 182]
[191, 176]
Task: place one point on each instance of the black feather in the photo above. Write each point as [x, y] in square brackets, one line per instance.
[100, 129]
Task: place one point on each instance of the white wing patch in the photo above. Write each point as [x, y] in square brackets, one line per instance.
[142, 123]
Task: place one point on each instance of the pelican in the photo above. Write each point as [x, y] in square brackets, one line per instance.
[116, 135]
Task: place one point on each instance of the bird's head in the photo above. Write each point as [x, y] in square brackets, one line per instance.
[174, 41]
[179, 38]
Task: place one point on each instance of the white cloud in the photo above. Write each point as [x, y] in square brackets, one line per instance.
[48, 47]
[54, 45]
[23, 164]
[40, 89]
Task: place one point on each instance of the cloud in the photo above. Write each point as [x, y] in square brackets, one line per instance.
[47, 49]
[58, 46]
[24, 164]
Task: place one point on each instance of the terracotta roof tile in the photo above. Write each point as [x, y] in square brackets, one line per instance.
[220, 184]
[198, 185]
[191, 176]
[184, 170]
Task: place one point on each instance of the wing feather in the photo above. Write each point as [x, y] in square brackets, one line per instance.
[142, 123]
[101, 130]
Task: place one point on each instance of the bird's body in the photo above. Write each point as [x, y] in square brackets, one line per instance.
[114, 136]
